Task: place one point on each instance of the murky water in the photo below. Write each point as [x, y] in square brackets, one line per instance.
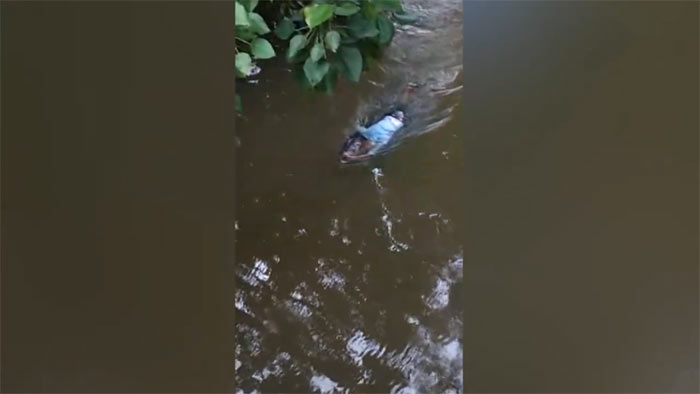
[347, 277]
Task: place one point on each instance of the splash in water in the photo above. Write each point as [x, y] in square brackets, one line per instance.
[416, 58]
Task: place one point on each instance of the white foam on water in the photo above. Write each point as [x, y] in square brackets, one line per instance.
[440, 296]
[359, 346]
[334, 232]
[258, 274]
[240, 303]
[387, 218]
[328, 277]
[301, 233]
[377, 175]
[394, 244]
[324, 385]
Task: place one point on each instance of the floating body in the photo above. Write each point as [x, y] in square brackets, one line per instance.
[367, 141]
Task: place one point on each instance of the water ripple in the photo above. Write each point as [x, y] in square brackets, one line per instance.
[314, 312]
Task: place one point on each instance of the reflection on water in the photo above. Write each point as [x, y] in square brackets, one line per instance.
[347, 277]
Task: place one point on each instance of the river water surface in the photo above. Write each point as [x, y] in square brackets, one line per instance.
[348, 278]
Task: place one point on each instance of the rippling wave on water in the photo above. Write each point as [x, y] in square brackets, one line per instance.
[362, 297]
[428, 54]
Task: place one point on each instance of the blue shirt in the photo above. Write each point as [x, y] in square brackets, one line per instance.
[381, 132]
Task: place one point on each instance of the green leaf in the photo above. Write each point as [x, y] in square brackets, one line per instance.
[369, 63]
[346, 9]
[362, 28]
[241, 15]
[347, 38]
[296, 44]
[386, 30]
[245, 33]
[244, 64]
[370, 10]
[285, 29]
[352, 59]
[315, 71]
[249, 4]
[317, 52]
[405, 18]
[332, 40]
[331, 79]
[257, 23]
[298, 16]
[262, 49]
[317, 14]
[370, 49]
[298, 74]
[392, 5]
[300, 57]
[239, 104]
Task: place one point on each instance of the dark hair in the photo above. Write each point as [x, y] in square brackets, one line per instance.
[399, 114]
[396, 109]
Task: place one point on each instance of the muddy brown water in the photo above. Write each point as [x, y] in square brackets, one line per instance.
[581, 255]
[348, 277]
[115, 217]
